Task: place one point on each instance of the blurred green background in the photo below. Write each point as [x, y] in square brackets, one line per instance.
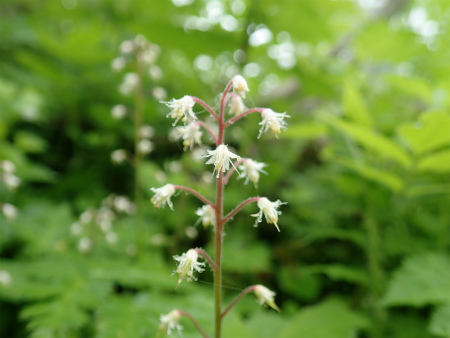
[364, 247]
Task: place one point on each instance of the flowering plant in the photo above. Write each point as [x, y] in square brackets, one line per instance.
[225, 163]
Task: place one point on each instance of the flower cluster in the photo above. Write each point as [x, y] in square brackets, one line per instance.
[102, 219]
[225, 162]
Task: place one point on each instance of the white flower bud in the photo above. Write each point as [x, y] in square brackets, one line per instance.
[250, 170]
[119, 111]
[118, 156]
[221, 158]
[273, 121]
[163, 195]
[181, 109]
[207, 215]
[170, 322]
[240, 85]
[270, 211]
[265, 296]
[188, 264]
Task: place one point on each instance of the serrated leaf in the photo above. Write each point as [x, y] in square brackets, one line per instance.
[422, 279]
[440, 321]
[379, 144]
[330, 319]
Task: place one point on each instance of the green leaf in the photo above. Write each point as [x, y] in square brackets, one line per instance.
[431, 132]
[440, 321]
[354, 106]
[438, 162]
[29, 143]
[330, 319]
[382, 177]
[339, 272]
[306, 131]
[379, 144]
[422, 279]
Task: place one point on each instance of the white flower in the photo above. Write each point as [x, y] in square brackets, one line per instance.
[84, 244]
[269, 209]
[130, 82]
[7, 166]
[265, 296]
[207, 215]
[10, 211]
[11, 181]
[163, 195]
[76, 228]
[250, 170]
[145, 147]
[181, 108]
[190, 134]
[188, 263]
[123, 204]
[118, 156]
[118, 111]
[118, 64]
[170, 322]
[240, 85]
[5, 278]
[126, 47]
[146, 131]
[236, 105]
[272, 120]
[221, 158]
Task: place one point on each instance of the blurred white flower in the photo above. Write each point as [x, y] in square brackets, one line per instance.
[240, 85]
[118, 156]
[221, 158]
[270, 211]
[7, 166]
[207, 215]
[5, 278]
[163, 195]
[159, 93]
[118, 64]
[191, 232]
[76, 228]
[236, 105]
[146, 131]
[156, 73]
[265, 296]
[11, 181]
[181, 109]
[250, 170]
[145, 147]
[123, 204]
[272, 120]
[10, 211]
[188, 264]
[111, 237]
[119, 111]
[87, 216]
[170, 322]
[129, 83]
[84, 244]
[126, 47]
[190, 134]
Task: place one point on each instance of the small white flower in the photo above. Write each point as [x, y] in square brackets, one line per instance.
[5, 278]
[10, 211]
[163, 195]
[265, 296]
[118, 156]
[87, 216]
[111, 237]
[11, 181]
[240, 85]
[159, 93]
[236, 105]
[7, 166]
[170, 322]
[84, 244]
[130, 82]
[118, 64]
[76, 228]
[123, 204]
[269, 209]
[250, 170]
[119, 111]
[221, 158]
[181, 109]
[190, 134]
[146, 131]
[188, 264]
[145, 147]
[126, 47]
[272, 120]
[207, 215]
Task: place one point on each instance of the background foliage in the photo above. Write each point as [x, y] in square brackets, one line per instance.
[364, 247]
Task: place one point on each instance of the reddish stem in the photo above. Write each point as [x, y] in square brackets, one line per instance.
[230, 172]
[196, 194]
[249, 111]
[207, 258]
[186, 314]
[237, 299]
[208, 129]
[206, 106]
[239, 207]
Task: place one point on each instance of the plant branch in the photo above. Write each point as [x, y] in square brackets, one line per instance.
[238, 117]
[208, 129]
[188, 315]
[206, 106]
[196, 194]
[237, 299]
[206, 257]
[239, 207]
